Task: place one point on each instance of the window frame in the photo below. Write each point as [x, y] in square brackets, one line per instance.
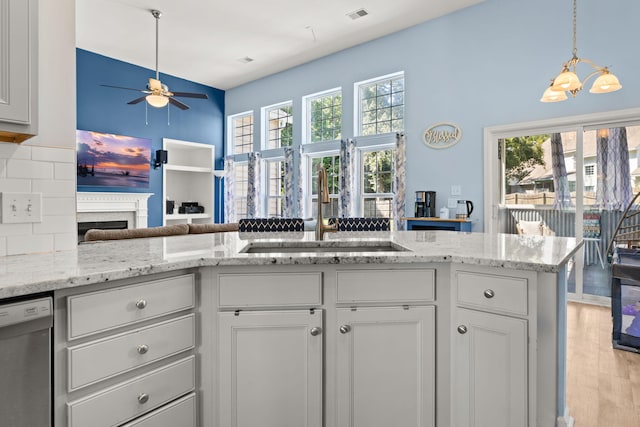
[265, 181]
[357, 110]
[361, 151]
[231, 146]
[265, 130]
[308, 199]
[306, 113]
[236, 198]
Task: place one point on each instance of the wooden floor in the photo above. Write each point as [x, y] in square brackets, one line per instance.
[603, 384]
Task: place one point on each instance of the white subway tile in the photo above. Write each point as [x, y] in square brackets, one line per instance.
[3, 168]
[15, 185]
[17, 245]
[29, 169]
[48, 154]
[14, 151]
[56, 224]
[65, 171]
[65, 241]
[59, 206]
[54, 188]
[3, 246]
[15, 229]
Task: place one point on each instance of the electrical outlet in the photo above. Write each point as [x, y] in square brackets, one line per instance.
[456, 190]
[452, 203]
[21, 208]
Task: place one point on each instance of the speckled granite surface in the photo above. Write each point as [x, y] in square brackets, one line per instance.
[100, 261]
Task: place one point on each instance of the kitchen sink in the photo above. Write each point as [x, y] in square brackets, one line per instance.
[322, 246]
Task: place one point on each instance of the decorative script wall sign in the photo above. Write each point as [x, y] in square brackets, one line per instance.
[442, 135]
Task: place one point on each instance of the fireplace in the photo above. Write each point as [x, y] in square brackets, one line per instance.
[83, 227]
[108, 210]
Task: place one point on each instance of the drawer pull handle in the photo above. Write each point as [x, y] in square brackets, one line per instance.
[489, 293]
[142, 303]
[143, 348]
[315, 331]
[462, 329]
[143, 398]
[345, 329]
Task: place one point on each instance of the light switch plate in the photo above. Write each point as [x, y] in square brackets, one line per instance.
[21, 208]
[452, 203]
[456, 190]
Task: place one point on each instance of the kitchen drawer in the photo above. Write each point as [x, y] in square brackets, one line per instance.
[130, 399]
[101, 359]
[109, 309]
[371, 286]
[181, 413]
[503, 294]
[265, 290]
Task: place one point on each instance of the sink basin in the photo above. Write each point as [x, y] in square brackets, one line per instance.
[322, 246]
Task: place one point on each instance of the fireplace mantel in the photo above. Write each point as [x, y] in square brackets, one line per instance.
[127, 203]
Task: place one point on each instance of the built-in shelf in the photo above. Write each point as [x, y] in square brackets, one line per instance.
[188, 177]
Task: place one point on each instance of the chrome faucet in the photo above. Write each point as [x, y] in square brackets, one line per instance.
[323, 198]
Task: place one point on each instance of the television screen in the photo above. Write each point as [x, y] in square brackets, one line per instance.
[111, 160]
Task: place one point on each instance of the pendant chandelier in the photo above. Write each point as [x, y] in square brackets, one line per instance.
[568, 81]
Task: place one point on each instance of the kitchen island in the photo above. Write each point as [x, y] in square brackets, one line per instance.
[478, 322]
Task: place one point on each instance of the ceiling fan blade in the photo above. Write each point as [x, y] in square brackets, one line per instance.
[137, 100]
[127, 88]
[178, 104]
[190, 95]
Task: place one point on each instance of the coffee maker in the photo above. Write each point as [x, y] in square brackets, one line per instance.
[425, 204]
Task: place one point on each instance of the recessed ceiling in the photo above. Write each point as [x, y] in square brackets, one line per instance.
[227, 43]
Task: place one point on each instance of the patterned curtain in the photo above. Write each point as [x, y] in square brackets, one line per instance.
[253, 186]
[345, 183]
[613, 191]
[560, 180]
[229, 186]
[300, 205]
[399, 184]
[289, 181]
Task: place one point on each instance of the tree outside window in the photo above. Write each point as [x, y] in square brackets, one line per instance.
[325, 117]
[377, 183]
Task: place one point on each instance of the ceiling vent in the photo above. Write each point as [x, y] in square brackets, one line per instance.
[245, 60]
[357, 14]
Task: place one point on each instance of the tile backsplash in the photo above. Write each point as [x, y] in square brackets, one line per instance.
[46, 170]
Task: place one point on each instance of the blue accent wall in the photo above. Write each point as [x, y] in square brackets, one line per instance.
[103, 109]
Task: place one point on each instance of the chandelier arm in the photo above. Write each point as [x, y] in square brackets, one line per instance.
[590, 75]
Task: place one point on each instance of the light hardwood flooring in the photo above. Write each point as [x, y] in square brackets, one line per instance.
[603, 384]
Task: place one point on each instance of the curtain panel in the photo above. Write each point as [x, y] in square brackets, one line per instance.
[253, 185]
[345, 182]
[559, 170]
[613, 190]
[290, 203]
[399, 184]
[229, 190]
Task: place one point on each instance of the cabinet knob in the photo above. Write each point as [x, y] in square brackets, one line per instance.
[345, 329]
[143, 398]
[143, 348]
[462, 329]
[489, 293]
[140, 304]
[315, 331]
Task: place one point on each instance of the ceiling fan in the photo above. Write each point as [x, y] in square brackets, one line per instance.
[156, 93]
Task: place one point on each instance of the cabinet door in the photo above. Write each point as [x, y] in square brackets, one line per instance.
[489, 370]
[385, 367]
[271, 369]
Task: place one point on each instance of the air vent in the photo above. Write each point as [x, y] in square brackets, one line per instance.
[357, 14]
[245, 60]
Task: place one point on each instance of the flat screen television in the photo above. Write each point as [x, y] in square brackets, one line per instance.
[109, 160]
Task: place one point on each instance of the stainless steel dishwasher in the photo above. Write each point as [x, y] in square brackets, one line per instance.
[25, 363]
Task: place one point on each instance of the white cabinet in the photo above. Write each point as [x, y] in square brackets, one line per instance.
[491, 368]
[188, 177]
[125, 351]
[385, 367]
[271, 368]
[18, 69]
[490, 354]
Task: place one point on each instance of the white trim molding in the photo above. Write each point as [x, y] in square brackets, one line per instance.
[101, 202]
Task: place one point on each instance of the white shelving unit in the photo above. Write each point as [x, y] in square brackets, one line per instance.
[188, 177]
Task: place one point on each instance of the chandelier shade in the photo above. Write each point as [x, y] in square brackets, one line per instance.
[157, 101]
[568, 80]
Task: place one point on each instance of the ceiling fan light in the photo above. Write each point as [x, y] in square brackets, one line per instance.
[551, 95]
[157, 101]
[605, 83]
[566, 80]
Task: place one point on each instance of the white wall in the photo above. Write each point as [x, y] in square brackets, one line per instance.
[486, 65]
[46, 163]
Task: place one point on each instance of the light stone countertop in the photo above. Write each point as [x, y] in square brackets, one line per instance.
[112, 260]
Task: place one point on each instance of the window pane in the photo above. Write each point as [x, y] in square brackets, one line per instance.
[325, 117]
[242, 134]
[376, 100]
[279, 126]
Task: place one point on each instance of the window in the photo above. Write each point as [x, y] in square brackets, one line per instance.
[324, 116]
[241, 133]
[275, 188]
[241, 186]
[381, 105]
[378, 174]
[589, 170]
[278, 126]
[332, 165]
